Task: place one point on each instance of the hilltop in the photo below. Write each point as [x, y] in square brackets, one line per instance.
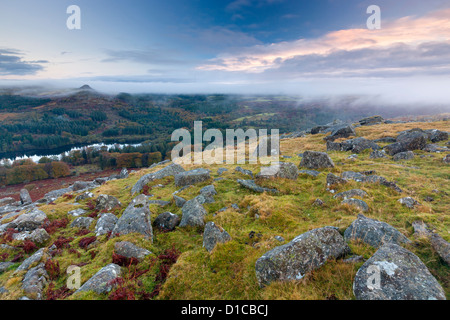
[352, 196]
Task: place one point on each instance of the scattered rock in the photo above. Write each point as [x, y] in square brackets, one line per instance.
[129, 250]
[250, 184]
[25, 197]
[284, 170]
[6, 201]
[84, 196]
[214, 234]
[333, 179]
[307, 252]
[409, 202]
[402, 276]
[101, 281]
[369, 121]
[446, 159]
[107, 202]
[81, 185]
[377, 154]
[4, 266]
[34, 281]
[316, 160]
[437, 135]
[373, 232]
[105, 224]
[166, 221]
[351, 194]
[312, 173]
[385, 140]
[354, 259]
[167, 171]
[318, 202]
[77, 212]
[407, 155]
[408, 141]
[208, 193]
[39, 236]
[82, 222]
[191, 177]
[344, 131]
[193, 214]
[361, 205]
[279, 238]
[244, 171]
[221, 170]
[135, 218]
[28, 262]
[441, 246]
[179, 201]
[356, 145]
[28, 221]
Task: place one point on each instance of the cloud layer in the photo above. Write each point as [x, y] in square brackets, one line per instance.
[11, 63]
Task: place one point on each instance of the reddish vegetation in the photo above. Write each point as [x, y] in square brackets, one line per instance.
[52, 268]
[82, 232]
[58, 294]
[51, 227]
[29, 246]
[18, 257]
[62, 242]
[86, 241]
[146, 190]
[4, 256]
[8, 235]
[123, 261]
[168, 258]
[41, 187]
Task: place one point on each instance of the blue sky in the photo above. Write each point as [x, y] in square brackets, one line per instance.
[273, 46]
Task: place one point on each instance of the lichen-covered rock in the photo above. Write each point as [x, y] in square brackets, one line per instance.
[101, 281]
[28, 262]
[82, 222]
[170, 170]
[135, 218]
[107, 202]
[407, 142]
[284, 170]
[373, 232]
[129, 250]
[361, 205]
[407, 155]
[377, 154]
[4, 266]
[437, 135]
[343, 131]
[39, 236]
[25, 197]
[409, 202]
[166, 221]
[105, 223]
[333, 179]
[446, 159]
[394, 273]
[312, 173]
[316, 160]
[179, 201]
[351, 194]
[28, 221]
[250, 184]
[356, 145]
[214, 234]
[307, 252]
[6, 201]
[244, 171]
[371, 120]
[191, 177]
[34, 281]
[77, 212]
[193, 214]
[208, 193]
[81, 185]
[84, 196]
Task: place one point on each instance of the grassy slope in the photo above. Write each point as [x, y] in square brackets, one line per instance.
[228, 272]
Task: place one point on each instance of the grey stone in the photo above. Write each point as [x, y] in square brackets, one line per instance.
[221, 170]
[351, 194]
[307, 252]
[386, 140]
[312, 173]
[28, 262]
[407, 142]
[208, 192]
[244, 171]
[84, 196]
[250, 184]
[354, 259]
[123, 173]
[25, 197]
[82, 222]
[4, 266]
[377, 154]
[28, 221]
[101, 281]
[107, 202]
[361, 205]
[214, 234]
[34, 281]
[6, 201]
[77, 212]
[81, 185]
[179, 201]
[105, 224]
[408, 202]
[193, 214]
[402, 277]
[356, 145]
[279, 238]
[166, 221]
[135, 218]
[129, 250]
[316, 160]
[333, 180]
[191, 177]
[343, 131]
[373, 232]
[437, 135]
[39, 236]
[446, 159]
[167, 171]
[371, 120]
[284, 170]
[407, 155]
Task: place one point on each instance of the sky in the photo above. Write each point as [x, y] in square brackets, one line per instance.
[241, 46]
